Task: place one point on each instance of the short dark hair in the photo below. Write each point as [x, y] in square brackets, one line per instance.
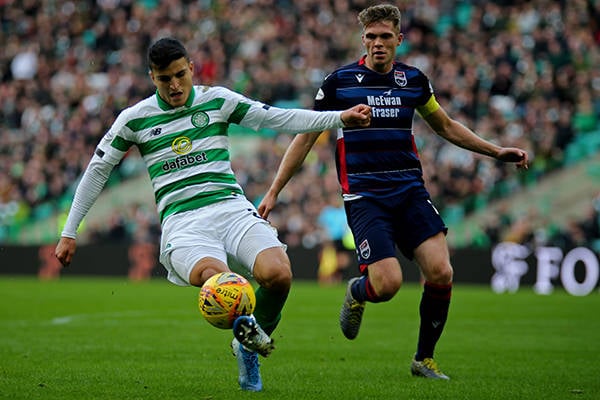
[380, 12]
[164, 51]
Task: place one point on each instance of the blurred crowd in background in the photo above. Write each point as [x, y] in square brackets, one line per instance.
[519, 73]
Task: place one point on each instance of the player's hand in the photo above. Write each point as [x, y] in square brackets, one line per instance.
[358, 116]
[266, 205]
[514, 155]
[64, 250]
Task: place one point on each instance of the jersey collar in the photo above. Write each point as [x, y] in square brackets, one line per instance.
[364, 57]
[166, 106]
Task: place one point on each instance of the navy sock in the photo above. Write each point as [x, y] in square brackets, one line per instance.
[363, 291]
[433, 310]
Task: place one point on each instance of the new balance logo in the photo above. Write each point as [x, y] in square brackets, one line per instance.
[359, 77]
[156, 131]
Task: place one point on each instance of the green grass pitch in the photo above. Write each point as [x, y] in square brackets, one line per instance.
[79, 338]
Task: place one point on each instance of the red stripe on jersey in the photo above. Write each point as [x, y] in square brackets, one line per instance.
[414, 146]
[343, 170]
[364, 58]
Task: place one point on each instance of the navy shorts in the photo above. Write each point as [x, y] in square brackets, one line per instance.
[379, 226]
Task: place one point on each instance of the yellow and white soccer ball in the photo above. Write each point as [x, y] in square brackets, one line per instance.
[224, 297]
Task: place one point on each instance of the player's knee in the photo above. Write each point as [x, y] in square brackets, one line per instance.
[385, 277]
[388, 288]
[204, 269]
[441, 276]
[274, 272]
[278, 278]
[199, 275]
[281, 279]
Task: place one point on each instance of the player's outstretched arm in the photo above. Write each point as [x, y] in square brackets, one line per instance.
[299, 120]
[290, 163]
[460, 135]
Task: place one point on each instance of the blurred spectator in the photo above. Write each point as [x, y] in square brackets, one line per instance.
[584, 232]
[523, 74]
[335, 255]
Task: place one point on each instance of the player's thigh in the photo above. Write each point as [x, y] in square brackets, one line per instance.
[433, 257]
[416, 220]
[264, 255]
[195, 264]
[186, 241]
[372, 228]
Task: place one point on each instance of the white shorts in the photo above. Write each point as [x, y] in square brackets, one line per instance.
[230, 227]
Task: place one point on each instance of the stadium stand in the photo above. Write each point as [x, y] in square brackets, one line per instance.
[519, 73]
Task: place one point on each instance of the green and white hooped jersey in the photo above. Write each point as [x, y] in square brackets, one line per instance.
[185, 149]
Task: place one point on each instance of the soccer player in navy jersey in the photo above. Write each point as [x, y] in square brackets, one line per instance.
[381, 178]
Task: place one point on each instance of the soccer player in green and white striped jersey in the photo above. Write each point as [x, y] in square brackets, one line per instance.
[181, 133]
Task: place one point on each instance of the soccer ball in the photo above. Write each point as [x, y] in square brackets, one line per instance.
[224, 297]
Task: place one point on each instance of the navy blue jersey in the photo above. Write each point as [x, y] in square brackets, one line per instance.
[381, 160]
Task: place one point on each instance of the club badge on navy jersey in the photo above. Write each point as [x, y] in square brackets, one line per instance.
[400, 78]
